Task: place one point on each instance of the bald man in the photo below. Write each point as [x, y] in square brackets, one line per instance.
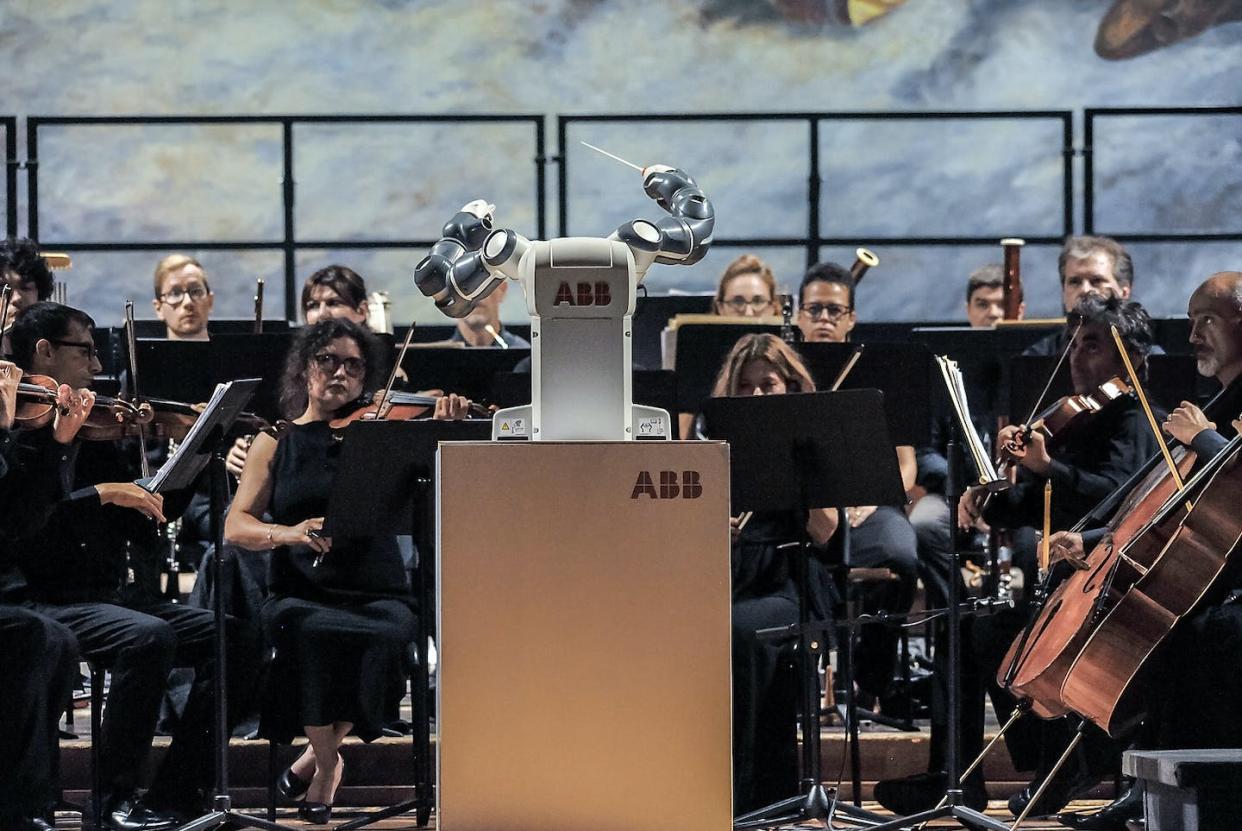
[1198, 681]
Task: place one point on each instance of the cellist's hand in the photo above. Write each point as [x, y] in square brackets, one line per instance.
[451, 407]
[1067, 545]
[1186, 422]
[72, 410]
[10, 377]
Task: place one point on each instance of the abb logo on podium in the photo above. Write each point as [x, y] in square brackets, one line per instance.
[587, 294]
[686, 485]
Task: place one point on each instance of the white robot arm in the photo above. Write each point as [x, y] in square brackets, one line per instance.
[473, 257]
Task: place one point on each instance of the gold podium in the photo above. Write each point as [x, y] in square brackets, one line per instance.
[584, 636]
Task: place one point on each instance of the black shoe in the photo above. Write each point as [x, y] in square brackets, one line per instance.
[1112, 817]
[316, 813]
[923, 791]
[1057, 795]
[129, 815]
[290, 786]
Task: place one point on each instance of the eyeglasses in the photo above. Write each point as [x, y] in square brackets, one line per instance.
[834, 311]
[172, 298]
[89, 348]
[741, 304]
[328, 364]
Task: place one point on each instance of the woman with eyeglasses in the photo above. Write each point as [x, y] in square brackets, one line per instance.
[339, 613]
[747, 289]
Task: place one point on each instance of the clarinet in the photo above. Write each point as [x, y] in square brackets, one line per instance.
[788, 333]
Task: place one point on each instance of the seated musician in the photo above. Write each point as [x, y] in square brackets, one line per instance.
[339, 613]
[985, 297]
[882, 536]
[765, 745]
[1195, 685]
[183, 299]
[26, 273]
[1083, 469]
[335, 291]
[482, 326]
[747, 289]
[1087, 265]
[78, 569]
[40, 655]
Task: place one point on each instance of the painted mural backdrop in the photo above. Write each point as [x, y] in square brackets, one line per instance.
[913, 178]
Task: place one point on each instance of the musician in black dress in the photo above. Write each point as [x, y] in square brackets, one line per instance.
[340, 611]
[765, 747]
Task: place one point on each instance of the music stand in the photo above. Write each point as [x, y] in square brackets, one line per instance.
[467, 372]
[385, 485]
[207, 446]
[831, 451]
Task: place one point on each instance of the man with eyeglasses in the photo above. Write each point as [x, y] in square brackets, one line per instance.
[78, 572]
[183, 299]
[826, 304]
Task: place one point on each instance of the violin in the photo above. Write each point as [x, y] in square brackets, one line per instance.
[394, 406]
[1064, 418]
[37, 403]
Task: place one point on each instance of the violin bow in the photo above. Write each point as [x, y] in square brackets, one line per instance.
[1039, 402]
[6, 297]
[1151, 417]
[396, 367]
[132, 343]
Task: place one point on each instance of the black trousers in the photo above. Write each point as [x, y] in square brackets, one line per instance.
[140, 646]
[883, 540]
[40, 666]
[765, 705]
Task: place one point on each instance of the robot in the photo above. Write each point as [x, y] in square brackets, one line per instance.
[580, 293]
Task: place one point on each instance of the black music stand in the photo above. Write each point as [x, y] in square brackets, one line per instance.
[465, 371]
[206, 445]
[951, 805]
[832, 451]
[385, 485]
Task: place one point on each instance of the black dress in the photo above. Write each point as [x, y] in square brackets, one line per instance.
[341, 630]
[765, 686]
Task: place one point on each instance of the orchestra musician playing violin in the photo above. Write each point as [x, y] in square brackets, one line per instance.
[339, 613]
[1084, 464]
[765, 749]
[77, 569]
[1194, 686]
[40, 655]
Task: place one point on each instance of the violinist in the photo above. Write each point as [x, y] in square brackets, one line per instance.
[747, 289]
[40, 655]
[183, 299]
[1196, 684]
[340, 609]
[765, 759]
[77, 569]
[1086, 466]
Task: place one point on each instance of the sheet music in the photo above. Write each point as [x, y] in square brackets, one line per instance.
[985, 470]
[212, 416]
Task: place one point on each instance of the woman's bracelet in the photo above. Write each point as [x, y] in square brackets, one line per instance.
[270, 529]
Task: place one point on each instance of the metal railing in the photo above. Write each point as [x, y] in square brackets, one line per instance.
[1091, 115]
[813, 240]
[11, 164]
[289, 243]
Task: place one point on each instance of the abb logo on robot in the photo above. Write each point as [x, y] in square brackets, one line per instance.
[587, 294]
[686, 485]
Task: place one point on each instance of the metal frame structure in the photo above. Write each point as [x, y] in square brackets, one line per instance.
[1090, 115]
[814, 240]
[11, 164]
[290, 243]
